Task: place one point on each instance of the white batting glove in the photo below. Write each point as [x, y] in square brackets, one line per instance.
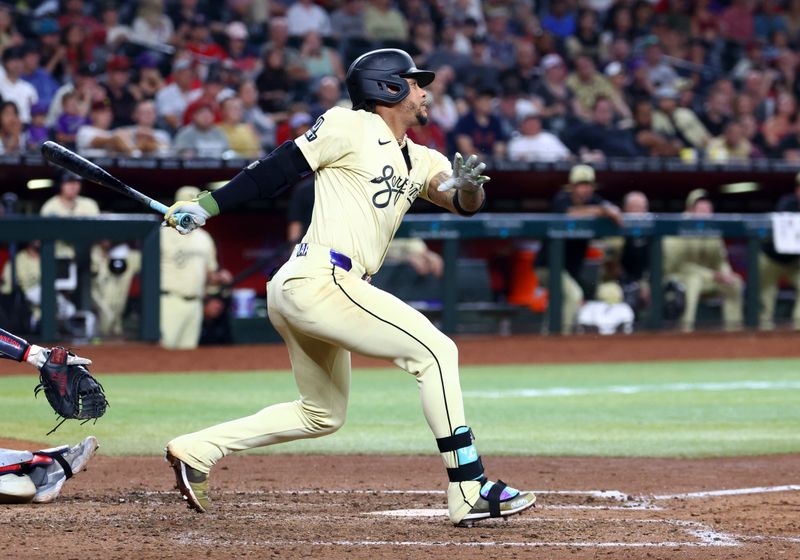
[38, 355]
[198, 213]
[466, 175]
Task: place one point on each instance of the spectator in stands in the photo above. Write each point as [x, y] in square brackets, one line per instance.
[701, 265]
[586, 40]
[74, 12]
[151, 25]
[95, 138]
[577, 199]
[481, 72]
[38, 76]
[304, 16]
[559, 20]
[201, 138]
[532, 143]
[53, 52]
[239, 52]
[789, 148]
[479, 131]
[253, 114]
[201, 42]
[659, 73]
[116, 33]
[773, 267]
[499, 38]
[9, 36]
[600, 138]
[275, 82]
[143, 137]
[211, 93]
[149, 81]
[181, 14]
[13, 137]
[737, 22]
[680, 122]
[72, 117]
[13, 87]
[86, 90]
[37, 131]
[731, 146]
[119, 90]
[347, 21]
[781, 124]
[319, 60]
[587, 84]
[242, 136]
[793, 18]
[557, 99]
[525, 70]
[752, 134]
[328, 95]
[383, 22]
[451, 49]
[717, 112]
[79, 48]
[442, 109]
[171, 101]
[650, 142]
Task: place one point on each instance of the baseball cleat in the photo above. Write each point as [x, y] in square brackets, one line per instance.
[496, 499]
[191, 483]
[66, 462]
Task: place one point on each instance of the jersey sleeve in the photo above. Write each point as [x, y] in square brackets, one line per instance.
[330, 138]
[437, 163]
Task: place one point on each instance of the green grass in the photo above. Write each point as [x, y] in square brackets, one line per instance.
[385, 415]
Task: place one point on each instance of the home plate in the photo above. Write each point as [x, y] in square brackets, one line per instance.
[412, 513]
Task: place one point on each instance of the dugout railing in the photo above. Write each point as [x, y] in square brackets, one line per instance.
[451, 230]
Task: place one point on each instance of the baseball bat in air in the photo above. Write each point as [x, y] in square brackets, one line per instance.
[67, 159]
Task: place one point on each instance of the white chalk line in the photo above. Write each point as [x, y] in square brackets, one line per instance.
[636, 389]
[730, 492]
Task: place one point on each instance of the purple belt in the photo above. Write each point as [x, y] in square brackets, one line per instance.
[345, 263]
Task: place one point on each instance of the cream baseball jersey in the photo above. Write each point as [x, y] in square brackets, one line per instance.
[186, 261]
[363, 183]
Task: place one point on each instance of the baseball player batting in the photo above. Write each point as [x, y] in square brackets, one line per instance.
[367, 175]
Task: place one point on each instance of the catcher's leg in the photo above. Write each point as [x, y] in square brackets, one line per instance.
[64, 463]
[16, 487]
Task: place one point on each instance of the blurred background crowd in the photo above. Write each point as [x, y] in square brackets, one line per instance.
[516, 79]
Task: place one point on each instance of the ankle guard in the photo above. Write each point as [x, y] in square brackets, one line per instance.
[469, 466]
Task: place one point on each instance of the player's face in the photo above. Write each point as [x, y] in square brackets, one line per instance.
[416, 103]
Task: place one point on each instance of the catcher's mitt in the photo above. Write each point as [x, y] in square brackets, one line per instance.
[70, 389]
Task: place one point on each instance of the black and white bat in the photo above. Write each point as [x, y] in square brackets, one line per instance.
[67, 159]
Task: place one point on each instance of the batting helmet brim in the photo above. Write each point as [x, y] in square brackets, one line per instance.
[423, 77]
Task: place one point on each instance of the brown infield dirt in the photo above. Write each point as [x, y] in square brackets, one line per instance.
[377, 507]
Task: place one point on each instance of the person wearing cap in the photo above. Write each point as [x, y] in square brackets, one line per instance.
[239, 52]
[559, 104]
[531, 143]
[650, 142]
[201, 138]
[37, 132]
[211, 93]
[172, 100]
[13, 87]
[201, 42]
[578, 199]
[150, 81]
[188, 267]
[774, 267]
[658, 72]
[680, 122]
[479, 131]
[701, 265]
[96, 139]
[587, 84]
[118, 90]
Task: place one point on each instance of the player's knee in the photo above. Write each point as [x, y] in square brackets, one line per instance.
[323, 424]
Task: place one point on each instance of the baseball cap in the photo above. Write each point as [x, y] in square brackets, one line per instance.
[695, 196]
[299, 119]
[551, 60]
[117, 63]
[13, 53]
[581, 173]
[186, 192]
[39, 108]
[613, 69]
[88, 69]
[236, 30]
[46, 26]
[667, 92]
[147, 60]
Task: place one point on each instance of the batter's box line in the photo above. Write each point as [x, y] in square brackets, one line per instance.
[706, 538]
[729, 492]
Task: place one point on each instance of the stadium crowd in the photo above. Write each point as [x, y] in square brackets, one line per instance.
[532, 81]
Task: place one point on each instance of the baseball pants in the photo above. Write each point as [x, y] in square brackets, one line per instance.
[181, 322]
[571, 297]
[324, 312]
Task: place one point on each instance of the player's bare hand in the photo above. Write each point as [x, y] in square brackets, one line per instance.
[37, 356]
[466, 175]
[191, 208]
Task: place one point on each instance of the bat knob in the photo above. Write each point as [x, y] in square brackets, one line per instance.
[185, 220]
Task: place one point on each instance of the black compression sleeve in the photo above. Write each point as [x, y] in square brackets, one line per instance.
[12, 347]
[265, 178]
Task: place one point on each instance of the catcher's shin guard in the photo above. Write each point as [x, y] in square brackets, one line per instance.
[16, 488]
[470, 495]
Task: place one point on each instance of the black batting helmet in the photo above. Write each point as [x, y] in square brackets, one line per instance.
[370, 76]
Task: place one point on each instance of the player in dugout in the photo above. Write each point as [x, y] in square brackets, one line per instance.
[367, 173]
